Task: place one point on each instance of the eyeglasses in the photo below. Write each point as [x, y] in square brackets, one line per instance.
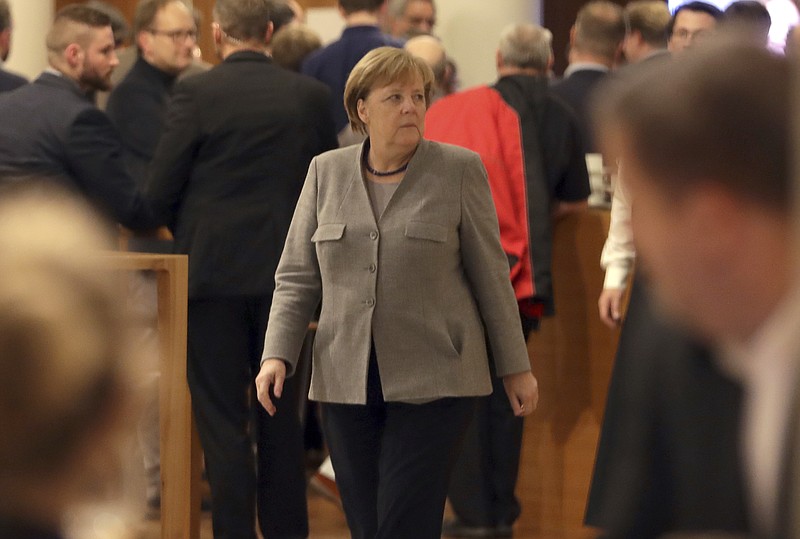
[178, 36]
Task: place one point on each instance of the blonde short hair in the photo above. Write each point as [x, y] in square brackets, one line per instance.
[380, 67]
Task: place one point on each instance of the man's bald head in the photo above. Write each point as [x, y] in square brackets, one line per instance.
[431, 50]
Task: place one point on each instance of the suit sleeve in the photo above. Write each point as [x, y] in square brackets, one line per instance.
[172, 163]
[94, 152]
[298, 283]
[486, 267]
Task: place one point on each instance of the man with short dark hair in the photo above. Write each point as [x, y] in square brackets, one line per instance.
[226, 176]
[749, 17]
[332, 64]
[595, 48]
[52, 129]
[690, 23]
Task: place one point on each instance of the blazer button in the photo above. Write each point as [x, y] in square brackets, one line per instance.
[370, 302]
[372, 268]
[373, 235]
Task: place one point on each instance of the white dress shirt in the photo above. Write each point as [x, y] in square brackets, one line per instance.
[619, 252]
[767, 368]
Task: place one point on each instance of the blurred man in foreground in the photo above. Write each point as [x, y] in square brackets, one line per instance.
[709, 427]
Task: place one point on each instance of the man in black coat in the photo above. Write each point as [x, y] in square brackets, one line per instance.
[595, 47]
[51, 128]
[165, 35]
[226, 177]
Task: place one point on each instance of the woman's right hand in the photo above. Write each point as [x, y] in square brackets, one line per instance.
[272, 374]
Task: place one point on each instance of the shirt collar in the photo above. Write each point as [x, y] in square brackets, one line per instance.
[584, 66]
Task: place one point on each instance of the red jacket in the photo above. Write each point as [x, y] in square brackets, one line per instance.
[480, 120]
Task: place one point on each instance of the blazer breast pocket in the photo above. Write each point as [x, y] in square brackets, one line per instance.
[329, 232]
[426, 231]
[327, 241]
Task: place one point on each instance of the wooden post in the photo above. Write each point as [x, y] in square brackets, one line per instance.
[180, 447]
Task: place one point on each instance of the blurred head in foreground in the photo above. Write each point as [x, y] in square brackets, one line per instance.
[63, 385]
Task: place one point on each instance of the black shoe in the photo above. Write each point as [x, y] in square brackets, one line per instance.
[458, 528]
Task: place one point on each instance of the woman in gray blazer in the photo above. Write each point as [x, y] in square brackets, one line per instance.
[398, 237]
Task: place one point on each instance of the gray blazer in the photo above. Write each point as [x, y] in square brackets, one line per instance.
[422, 283]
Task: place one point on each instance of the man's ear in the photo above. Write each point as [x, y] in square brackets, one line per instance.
[141, 40]
[270, 31]
[216, 33]
[74, 55]
[572, 35]
[5, 43]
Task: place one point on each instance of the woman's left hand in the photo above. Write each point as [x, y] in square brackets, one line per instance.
[523, 392]
[271, 375]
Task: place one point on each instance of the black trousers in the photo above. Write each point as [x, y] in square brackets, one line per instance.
[393, 461]
[484, 478]
[226, 338]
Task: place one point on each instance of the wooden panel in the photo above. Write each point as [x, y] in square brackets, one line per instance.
[572, 356]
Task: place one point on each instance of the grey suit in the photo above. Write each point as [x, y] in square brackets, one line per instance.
[405, 301]
[421, 282]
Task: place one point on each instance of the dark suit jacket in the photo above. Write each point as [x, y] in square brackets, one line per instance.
[576, 90]
[51, 129]
[332, 64]
[669, 453]
[230, 165]
[10, 81]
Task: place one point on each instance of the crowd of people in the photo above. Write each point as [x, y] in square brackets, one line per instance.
[352, 187]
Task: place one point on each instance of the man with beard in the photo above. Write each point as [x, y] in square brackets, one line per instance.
[52, 129]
